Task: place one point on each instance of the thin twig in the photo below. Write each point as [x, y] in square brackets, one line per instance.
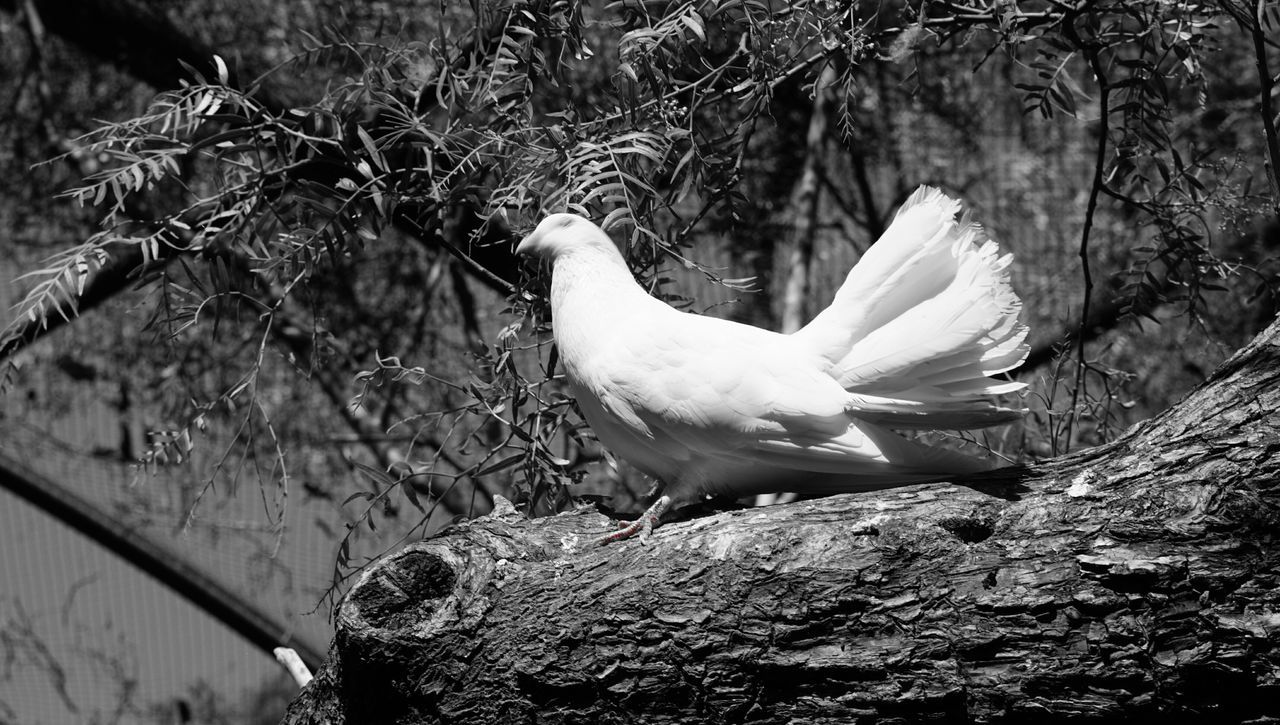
[1099, 161]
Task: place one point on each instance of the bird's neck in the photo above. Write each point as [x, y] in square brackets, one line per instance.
[592, 277]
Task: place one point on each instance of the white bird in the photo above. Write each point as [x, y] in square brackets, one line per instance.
[709, 406]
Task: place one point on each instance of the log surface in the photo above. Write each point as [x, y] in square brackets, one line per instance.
[1126, 583]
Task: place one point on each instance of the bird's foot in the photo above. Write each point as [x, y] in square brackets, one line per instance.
[643, 525]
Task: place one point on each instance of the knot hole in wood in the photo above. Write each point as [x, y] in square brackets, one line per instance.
[404, 591]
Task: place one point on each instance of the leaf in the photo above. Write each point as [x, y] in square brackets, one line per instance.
[221, 66]
[507, 462]
[365, 495]
[615, 217]
[694, 24]
[376, 156]
[411, 493]
[378, 475]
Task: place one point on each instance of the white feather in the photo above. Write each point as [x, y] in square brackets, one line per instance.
[713, 406]
[927, 343]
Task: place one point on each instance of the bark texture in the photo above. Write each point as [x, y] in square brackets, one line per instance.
[1130, 582]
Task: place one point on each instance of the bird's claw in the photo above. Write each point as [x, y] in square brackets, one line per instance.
[642, 526]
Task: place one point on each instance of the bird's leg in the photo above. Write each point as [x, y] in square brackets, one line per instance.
[643, 525]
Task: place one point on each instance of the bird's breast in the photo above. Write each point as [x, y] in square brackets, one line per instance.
[598, 313]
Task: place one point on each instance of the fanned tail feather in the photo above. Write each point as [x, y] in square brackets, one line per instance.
[922, 322]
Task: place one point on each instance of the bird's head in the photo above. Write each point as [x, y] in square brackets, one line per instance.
[561, 233]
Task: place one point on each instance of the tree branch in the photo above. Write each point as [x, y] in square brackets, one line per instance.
[1130, 582]
[142, 43]
[149, 47]
[117, 275]
[1091, 208]
[290, 331]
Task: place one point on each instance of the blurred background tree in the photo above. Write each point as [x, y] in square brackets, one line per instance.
[277, 278]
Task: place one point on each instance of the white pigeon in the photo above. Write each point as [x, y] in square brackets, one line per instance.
[709, 406]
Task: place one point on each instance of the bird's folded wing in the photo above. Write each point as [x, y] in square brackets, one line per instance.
[746, 396]
[705, 374]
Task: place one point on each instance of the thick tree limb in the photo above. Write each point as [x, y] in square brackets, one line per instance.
[1125, 583]
[118, 275]
[142, 43]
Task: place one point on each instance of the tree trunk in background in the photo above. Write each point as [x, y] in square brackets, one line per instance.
[805, 208]
[1134, 580]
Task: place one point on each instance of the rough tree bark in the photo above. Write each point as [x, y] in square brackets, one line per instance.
[1129, 582]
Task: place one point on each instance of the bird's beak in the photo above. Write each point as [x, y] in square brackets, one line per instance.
[525, 247]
